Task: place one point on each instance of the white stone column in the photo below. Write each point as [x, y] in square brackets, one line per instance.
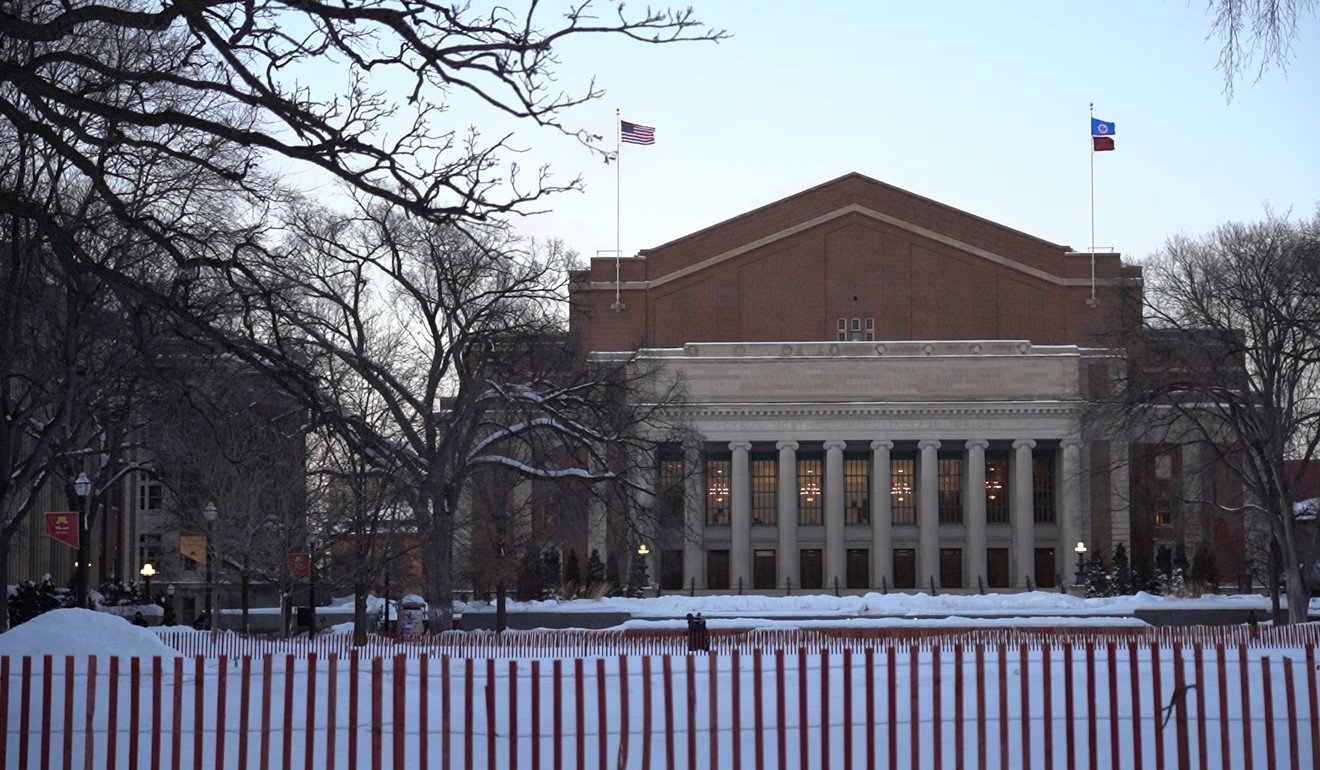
[1070, 512]
[882, 515]
[976, 511]
[740, 548]
[694, 516]
[787, 513]
[835, 561]
[1024, 518]
[928, 515]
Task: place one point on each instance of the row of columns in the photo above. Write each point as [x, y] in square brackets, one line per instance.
[1022, 515]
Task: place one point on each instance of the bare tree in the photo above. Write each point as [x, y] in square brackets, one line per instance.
[1233, 363]
[221, 433]
[458, 338]
[1255, 34]
[356, 91]
[360, 514]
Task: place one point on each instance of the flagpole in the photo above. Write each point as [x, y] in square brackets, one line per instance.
[1092, 302]
[618, 206]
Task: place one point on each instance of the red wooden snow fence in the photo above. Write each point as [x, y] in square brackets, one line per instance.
[1061, 701]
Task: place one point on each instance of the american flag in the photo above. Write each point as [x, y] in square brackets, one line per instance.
[633, 133]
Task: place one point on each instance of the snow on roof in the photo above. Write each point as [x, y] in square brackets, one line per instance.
[1306, 510]
[82, 632]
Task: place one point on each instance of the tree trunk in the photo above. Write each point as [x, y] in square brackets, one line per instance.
[501, 615]
[246, 602]
[4, 589]
[437, 568]
[1272, 580]
[1299, 598]
[359, 616]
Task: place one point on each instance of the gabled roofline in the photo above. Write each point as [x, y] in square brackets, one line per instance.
[839, 180]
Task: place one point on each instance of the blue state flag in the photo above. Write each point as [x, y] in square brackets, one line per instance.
[1101, 128]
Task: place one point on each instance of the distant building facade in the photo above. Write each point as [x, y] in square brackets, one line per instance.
[892, 394]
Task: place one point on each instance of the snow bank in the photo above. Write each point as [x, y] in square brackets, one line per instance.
[82, 632]
[1028, 603]
[1033, 621]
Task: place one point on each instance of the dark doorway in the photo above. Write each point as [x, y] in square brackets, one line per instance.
[905, 568]
[996, 567]
[859, 568]
[763, 569]
[811, 569]
[1045, 575]
[951, 568]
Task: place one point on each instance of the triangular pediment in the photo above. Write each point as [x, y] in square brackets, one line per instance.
[858, 195]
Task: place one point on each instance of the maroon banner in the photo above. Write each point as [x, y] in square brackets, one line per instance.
[300, 564]
[63, 526]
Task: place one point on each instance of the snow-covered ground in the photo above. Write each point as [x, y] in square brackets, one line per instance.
[895, 605]
[82, 632]
[804, 709]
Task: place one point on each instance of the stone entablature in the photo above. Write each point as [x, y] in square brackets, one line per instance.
[932, 371]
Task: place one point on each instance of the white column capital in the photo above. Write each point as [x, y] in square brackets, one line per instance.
[835, 445]
[928, 443]
[883, 444]
[976, 443]
[742, 444]
[1024, 443]
[782, 445]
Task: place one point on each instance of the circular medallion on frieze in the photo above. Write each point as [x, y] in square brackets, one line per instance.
[976, 349]
[928, 348]
[1023, 347]
[880, 350]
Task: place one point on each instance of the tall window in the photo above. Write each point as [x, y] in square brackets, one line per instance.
[765, 501]
[151, 495]
[903, 489]
[1043, 500]
[811, 489]
[996, 487]
[811, 568]
[669, 497]
[951, 488]
[856, 488]
[719, 471]
[149, 549]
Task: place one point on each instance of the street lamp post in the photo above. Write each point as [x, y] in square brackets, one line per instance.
[148, 572]
[1080, 550]
[210, 513]
[82, 570]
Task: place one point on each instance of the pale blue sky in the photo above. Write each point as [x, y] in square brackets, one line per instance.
[979, 105]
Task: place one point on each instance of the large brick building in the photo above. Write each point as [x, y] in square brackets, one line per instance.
[856, 338]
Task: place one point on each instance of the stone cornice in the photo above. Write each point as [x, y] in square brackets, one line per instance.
[886, 410]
